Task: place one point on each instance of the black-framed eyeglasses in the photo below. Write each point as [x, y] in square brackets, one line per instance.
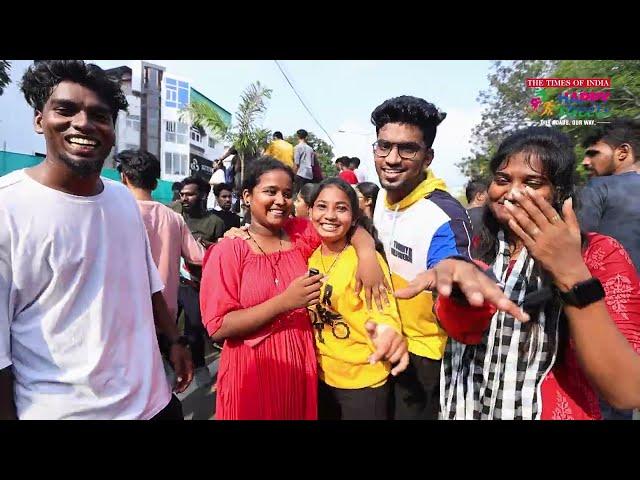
[406, 151]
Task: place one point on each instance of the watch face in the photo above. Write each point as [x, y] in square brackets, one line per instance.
[589, 291]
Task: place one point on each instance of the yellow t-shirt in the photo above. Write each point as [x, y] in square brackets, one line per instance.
[343, 344]
[281, 150]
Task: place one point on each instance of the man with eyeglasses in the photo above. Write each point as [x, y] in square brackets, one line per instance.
[419, 224]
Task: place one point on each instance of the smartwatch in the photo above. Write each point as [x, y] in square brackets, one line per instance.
[584, 293]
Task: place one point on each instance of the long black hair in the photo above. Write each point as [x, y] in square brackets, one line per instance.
[370, 191]
[359, 218]
[554, 152]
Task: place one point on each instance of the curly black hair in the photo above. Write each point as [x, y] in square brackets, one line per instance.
[203, 186]
[410, 110]
[43, 76]
[141, 168]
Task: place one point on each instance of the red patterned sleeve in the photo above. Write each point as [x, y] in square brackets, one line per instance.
[464, 323]
[609, 262]
[303, 235]
[220, 287]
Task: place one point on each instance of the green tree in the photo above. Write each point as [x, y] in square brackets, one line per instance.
[245, 133]
[505, 109]
[5, 80]
[506, 102]
[324, 153]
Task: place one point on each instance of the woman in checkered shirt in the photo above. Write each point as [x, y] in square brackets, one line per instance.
[579, 294]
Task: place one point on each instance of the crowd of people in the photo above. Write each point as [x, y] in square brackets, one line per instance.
[329, 298]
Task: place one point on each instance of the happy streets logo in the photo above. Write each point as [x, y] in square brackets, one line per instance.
[569, 101]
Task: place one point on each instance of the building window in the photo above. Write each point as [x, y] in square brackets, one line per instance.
[177, 93]
[212, 142]
[183, 94]
[133, 122]
[171, 94]
[170, 134]
[195, 135]
[182, 133]
[176, 164]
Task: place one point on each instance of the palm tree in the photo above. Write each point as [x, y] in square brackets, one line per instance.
[5, 66]
[246, 135]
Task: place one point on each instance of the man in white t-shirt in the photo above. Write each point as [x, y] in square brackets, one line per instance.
[217, 178]
[80, 295]
[354, 164]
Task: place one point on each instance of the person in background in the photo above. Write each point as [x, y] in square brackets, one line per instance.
[303, 200]
[206, 228]
[345, 173]
[354, 165]
[303, 159]
[367, 197]
[175, 191]
[280, 149]
[476, 193]
[223, 194]
[169, 236]
[610, 202]
[219, 176]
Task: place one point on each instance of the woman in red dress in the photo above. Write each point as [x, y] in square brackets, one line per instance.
[254, 296]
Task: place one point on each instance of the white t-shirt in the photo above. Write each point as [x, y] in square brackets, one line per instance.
[217, 177]
[361, 175]
[76, 319]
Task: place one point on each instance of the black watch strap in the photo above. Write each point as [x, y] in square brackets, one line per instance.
[584, 293]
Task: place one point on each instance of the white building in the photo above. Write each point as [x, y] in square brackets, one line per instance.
[153, 122]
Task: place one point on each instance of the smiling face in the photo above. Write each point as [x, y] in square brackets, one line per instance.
[332, 215]
[78, 128]
[400, 176]
[270, 200]
[515, 174]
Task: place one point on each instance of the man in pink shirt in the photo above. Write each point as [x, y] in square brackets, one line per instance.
[169, 235]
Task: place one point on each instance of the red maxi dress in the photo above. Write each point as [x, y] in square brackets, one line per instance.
[272, 373]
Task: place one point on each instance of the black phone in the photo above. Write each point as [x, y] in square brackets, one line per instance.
[313, 272]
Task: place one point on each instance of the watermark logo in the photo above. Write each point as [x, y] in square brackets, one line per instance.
[569, 101]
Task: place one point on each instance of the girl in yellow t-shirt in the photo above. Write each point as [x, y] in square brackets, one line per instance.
[356, 345]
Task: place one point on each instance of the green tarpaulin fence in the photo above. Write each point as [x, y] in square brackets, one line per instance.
[10, 161]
